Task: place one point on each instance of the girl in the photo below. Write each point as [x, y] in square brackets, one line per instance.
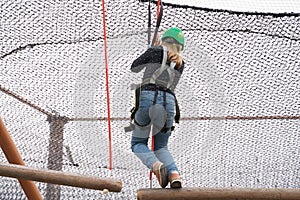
[163, 66]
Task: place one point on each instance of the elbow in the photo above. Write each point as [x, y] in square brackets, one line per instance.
[133, 69]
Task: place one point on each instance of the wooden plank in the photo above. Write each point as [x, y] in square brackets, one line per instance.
[60, 178]
[218, 194]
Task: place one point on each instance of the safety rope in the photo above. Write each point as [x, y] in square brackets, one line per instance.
[107, 89]
[159, 13]
[149, 23]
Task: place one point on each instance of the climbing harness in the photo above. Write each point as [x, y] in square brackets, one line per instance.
[151, 85]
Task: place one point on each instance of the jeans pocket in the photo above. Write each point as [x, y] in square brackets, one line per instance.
[146, 99]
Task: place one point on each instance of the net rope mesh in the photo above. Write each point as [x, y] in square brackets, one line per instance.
[237, 64]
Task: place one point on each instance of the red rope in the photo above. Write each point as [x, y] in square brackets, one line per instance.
[152, 138]
[107, 89]
[158, 9]
[152, 149]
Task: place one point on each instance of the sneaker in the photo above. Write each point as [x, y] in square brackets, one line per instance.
[175, 180]
[160, 171]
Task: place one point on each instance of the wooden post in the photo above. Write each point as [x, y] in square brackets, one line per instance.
[13, 156]
[60, 178]
[55, 152]
[218, 194]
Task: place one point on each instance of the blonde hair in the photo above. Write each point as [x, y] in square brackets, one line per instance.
[176, 48]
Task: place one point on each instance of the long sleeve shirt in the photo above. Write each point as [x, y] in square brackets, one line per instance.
[152, 60]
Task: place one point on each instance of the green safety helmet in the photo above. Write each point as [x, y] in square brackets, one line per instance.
[176, 34]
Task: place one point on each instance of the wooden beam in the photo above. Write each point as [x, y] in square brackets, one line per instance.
[218, 194]
[13, 156]
[60, 178]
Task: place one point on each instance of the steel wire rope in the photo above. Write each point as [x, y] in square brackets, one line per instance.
[195, 118]
[26, 101]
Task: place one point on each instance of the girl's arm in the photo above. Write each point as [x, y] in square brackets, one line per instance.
[152, 55]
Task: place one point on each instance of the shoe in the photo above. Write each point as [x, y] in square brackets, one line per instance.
[160, 171]
[175, 180]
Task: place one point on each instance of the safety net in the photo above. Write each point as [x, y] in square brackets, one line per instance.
[62, 97]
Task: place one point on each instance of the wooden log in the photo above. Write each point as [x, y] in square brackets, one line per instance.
[60, 178]
[13, 156]
[218, 194]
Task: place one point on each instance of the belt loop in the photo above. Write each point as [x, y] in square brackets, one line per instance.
[165, 99]
[155, 96]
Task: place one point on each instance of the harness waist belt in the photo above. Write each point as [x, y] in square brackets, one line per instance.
[154, 87]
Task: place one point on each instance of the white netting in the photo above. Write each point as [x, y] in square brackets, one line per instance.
[237, 64]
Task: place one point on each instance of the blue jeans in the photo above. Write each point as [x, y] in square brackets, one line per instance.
[156, 116]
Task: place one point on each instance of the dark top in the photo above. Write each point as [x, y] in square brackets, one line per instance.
[151, 60]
